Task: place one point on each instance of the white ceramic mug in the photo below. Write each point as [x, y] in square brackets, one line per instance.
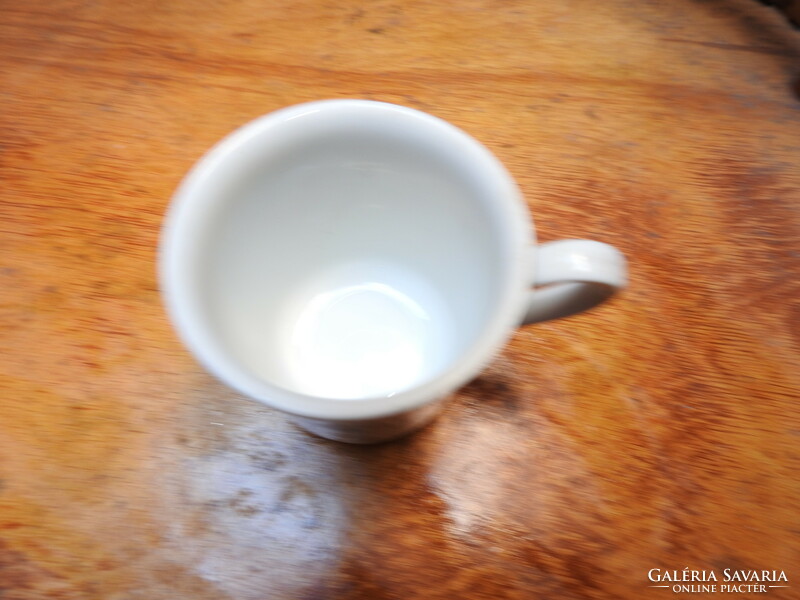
[353, 262]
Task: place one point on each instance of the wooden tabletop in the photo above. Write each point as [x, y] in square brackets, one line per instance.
[660, 431]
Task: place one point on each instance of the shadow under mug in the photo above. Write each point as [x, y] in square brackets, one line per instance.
[353, 262]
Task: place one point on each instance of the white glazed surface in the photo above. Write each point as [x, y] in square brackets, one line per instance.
[573, 276]
[346, 260]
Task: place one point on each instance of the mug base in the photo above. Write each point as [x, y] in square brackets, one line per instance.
[372, 431]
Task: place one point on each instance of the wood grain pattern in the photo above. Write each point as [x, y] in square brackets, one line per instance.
[660, 431]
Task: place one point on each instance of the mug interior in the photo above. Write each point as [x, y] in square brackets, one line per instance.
[346, 255]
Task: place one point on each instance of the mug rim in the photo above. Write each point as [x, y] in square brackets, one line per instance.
[507, 205]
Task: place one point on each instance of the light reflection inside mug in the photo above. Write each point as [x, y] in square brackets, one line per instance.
[362, 340]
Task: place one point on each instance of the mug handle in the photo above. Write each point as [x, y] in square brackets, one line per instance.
[571, 276]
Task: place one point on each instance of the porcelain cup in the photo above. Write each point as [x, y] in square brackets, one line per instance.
[352, 263]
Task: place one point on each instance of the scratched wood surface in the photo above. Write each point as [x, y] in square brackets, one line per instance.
[659, 431]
